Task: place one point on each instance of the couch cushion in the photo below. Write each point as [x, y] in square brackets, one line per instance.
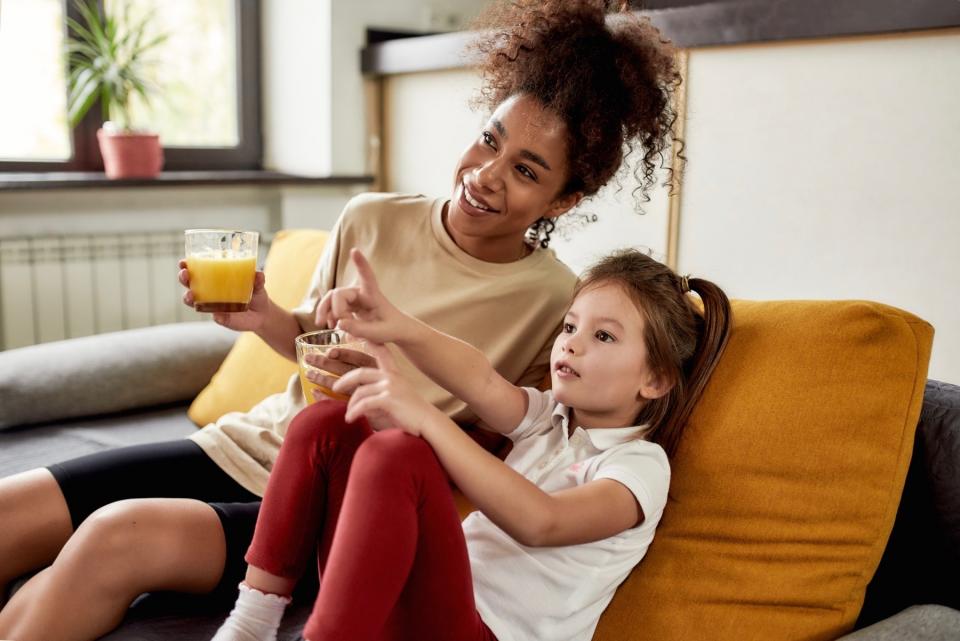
[252, 370]
[787, 480]
[109, 372]
[24, 448]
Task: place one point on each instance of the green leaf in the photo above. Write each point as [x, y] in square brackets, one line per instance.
[91, 16]
[82, 98]
[103, 54]
[83, 33]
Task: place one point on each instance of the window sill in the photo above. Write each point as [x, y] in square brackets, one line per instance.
[10, 181]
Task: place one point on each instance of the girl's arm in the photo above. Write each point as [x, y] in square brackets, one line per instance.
[457, 366]
[590, 512]
[593, 511]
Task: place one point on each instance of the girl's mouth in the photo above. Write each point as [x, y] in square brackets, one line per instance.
[563, 370]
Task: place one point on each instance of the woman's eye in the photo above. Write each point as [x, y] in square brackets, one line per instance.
[605, 337]
[525, 171]
[568, 328]
[488, 138]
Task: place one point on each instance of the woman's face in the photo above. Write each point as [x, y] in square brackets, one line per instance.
[508, 178]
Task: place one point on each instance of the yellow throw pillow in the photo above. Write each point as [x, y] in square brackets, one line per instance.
[252, 370]
[787, 480]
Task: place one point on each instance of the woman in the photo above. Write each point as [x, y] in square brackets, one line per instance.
[567, 94]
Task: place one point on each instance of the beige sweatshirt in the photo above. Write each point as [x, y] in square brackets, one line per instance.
[509, 311]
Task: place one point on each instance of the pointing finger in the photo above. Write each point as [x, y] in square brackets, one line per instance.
[367, 278]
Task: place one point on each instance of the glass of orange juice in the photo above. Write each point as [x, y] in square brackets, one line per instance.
[320, 342]
[222, 264]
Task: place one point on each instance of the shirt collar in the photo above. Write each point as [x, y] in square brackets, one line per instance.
[602, 438]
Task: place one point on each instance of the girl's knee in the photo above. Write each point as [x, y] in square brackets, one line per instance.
[396, 450]
[322, 422]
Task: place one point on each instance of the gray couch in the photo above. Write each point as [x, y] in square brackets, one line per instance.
[64, 399]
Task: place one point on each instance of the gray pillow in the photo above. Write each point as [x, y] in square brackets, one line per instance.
[109, 372]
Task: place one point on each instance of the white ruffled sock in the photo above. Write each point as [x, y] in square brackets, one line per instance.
[255, 617]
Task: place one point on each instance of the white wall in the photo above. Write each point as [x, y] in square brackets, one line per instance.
[313, 97]
[830, 169]
[295, 78]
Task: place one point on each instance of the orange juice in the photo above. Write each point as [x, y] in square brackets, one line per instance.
[308, 387]
[320, 342]
[221, 281]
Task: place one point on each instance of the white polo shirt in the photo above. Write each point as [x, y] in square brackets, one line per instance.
[558, 593]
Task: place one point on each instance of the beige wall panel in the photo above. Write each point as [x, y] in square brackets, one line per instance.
[830, 169]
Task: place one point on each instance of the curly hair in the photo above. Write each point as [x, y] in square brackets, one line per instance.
[610, 79]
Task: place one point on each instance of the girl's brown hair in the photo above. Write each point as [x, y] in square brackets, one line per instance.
[683, 343]
[610, 79]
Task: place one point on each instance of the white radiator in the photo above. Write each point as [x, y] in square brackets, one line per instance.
[56, 287]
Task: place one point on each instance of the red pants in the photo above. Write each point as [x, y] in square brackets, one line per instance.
[378, 511]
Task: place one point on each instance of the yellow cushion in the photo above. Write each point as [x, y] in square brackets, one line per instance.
[252, 370]
[787, 480]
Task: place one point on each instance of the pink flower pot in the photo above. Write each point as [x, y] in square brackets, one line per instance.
[130, 155]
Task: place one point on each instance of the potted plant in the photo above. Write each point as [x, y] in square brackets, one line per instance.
[106, 60]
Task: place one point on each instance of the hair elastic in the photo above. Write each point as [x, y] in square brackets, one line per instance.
[685, 283]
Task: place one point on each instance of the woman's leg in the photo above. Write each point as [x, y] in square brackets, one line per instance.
[119, 552]
[41, 508]
[36, 524]
[398, 567]
[125, 545]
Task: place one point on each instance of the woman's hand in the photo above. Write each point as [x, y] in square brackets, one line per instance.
[362, 310]
[385, 398]
[250, 320]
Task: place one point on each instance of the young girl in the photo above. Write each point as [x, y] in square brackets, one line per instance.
[567, 92]
[560, 522]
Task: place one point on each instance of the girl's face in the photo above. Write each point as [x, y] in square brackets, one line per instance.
[508, 178]
[599, 360]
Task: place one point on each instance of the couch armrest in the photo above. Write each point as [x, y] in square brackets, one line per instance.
[917, 623]
[109, 372]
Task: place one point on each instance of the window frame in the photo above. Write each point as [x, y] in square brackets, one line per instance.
[247, 154]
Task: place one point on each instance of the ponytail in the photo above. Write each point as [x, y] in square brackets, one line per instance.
[713, 332]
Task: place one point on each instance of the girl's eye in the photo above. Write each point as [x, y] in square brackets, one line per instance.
[525, 171]
[488, 138]
[568, 328]
[605, 337]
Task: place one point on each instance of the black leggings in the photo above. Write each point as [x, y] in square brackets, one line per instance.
[174, 469]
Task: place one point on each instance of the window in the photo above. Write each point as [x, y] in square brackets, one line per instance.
[207, 111]
[33, 113]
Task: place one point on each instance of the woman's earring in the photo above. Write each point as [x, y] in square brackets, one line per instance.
[539, 232]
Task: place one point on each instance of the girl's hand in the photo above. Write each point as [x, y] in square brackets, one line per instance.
[361, 309]
[384, 397]
[250, 320]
